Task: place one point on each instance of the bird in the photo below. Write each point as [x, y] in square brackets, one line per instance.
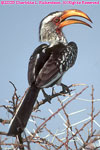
[48, 63]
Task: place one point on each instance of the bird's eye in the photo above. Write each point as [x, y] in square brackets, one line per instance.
[56, 20]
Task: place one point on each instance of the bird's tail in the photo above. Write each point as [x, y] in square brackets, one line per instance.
[23, 112]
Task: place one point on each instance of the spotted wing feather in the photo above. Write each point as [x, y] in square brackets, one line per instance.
[61, 59]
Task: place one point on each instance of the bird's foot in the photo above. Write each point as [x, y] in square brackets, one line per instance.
[66, 89]
[46, 96]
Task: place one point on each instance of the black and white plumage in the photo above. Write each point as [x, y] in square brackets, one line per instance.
[52, 63]
[48, 63]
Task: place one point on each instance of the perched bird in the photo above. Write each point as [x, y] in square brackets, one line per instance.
[48, 63]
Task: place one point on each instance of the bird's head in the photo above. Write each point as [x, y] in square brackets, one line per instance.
[51, 26]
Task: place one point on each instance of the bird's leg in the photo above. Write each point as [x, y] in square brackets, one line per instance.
[46, 96]
[65, 88]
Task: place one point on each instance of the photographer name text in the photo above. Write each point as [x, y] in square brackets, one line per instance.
[50, 2]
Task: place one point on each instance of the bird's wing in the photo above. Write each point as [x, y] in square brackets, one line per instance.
[49, 74]
[61, 59]
[36, 62]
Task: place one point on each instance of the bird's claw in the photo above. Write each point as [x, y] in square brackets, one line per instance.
[46, 96]
[65, 89]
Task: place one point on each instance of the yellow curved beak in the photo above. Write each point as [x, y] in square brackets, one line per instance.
[70, 13]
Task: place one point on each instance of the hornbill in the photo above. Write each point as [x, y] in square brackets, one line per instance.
[48, 63]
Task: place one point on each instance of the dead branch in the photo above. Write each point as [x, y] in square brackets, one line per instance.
[24, 142]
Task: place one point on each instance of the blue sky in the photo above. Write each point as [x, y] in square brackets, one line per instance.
[19, 28]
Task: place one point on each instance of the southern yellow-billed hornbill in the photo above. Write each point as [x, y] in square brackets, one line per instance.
[48, 63]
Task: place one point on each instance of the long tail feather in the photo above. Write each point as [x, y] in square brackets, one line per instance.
[18, 123]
